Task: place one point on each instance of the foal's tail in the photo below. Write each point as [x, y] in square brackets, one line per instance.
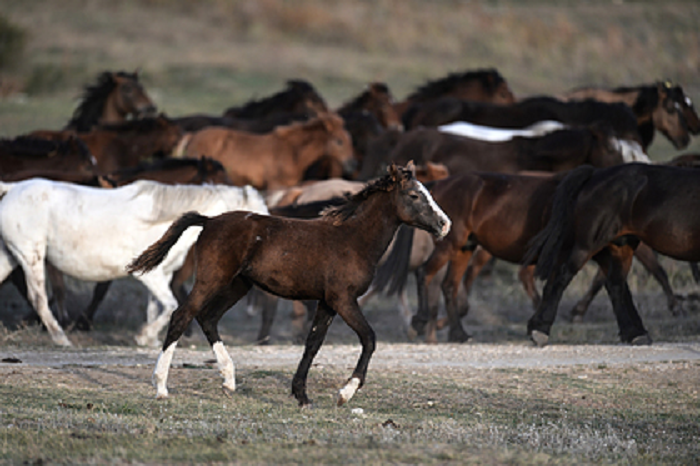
[546, 246]
[154, 255]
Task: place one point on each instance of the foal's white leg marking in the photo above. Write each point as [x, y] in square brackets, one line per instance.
[226, 367]
[436, 208]
[160, 373]
[348, 391]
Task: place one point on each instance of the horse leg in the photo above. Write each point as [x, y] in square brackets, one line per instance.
[540, 324]
[616, 262]
[352, 315]
[450, 287]
[527, 278]
[34, 275]
[648, 258]
[425, 320]
[58, 290]
[579, 310]
[269, 310]
[480, 258]
[322, 320]
[208, 302]
[157, 283]
[85, 320]
[209, 319]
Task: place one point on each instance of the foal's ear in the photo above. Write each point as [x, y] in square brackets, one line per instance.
[411, 168]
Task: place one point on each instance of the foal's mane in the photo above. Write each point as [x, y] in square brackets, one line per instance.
[170, 164]
[295, 91]
[489, 78]
[94, 97]
[341, 213]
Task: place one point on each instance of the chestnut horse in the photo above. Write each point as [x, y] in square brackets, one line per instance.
[482, 85]
[657, 106]
[650, 203]
[277, 159]
[115, 97]
[330, 259]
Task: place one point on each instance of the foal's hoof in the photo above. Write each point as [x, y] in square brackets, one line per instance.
[641, 340]
[540, 339]
[348, 391]
[411, 333]
[459, 337]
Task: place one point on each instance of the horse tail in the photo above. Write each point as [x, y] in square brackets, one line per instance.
[545, 247]
[393, 272]
[155, 254]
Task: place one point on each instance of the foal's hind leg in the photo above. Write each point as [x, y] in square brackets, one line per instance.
[207, 302]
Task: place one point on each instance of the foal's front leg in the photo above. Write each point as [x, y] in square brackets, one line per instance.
[322, 320]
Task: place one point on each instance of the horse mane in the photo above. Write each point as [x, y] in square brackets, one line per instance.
[341, 213]
[93, 100]
[295, 89]
[320, 121]
[489, 78]
[360, 102]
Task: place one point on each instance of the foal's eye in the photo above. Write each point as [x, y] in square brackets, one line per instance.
[414, 196]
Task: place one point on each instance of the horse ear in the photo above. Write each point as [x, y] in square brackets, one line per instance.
[411, 168]
[393, 171]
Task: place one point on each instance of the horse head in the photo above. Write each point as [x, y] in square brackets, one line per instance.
[130, 98]
[307, 99]
[685, 105]
[380, 102]
[414, 204]
[338, 146]
[669, 116]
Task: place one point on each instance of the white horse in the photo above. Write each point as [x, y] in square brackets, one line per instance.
[488, 133]
[92, 234]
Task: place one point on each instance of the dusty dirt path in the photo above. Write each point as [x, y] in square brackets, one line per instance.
[419, 357]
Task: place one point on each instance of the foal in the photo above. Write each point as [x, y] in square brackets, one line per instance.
[330, 259]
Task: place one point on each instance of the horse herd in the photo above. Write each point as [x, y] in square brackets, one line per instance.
[284, 196]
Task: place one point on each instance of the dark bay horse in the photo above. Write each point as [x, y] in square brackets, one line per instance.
[658, 106]
[280, 158]
[556, 151]
[114, 98]
[330, 259]
[298, 97]
[654, 204]
[526, 112]
[171, 171]
[28, 153]
[481, 85]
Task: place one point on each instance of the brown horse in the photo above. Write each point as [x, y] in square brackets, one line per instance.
[277, 159]
[376, 100]
[556, 151]
[482, 85]
[653, 204]
[298, 97]
[171, 171]
[115, 97]
[686, 105]
[23, 154]
[331, 259]
[657, 106]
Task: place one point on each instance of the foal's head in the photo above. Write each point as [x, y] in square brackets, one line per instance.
[414, 204]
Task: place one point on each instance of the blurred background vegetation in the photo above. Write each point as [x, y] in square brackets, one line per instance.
[207, 55]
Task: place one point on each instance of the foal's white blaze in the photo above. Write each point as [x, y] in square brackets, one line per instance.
[438, 211]
[348, 391]
[160, 373]
[226, 367]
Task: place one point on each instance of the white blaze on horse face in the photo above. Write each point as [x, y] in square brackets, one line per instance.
[447, 223]
[160, 373]
[226, 367]
[348, 391]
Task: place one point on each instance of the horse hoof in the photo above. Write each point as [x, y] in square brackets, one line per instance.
[348, 391]
[460, 338]
[411, 333]
[577, 319]
[641, 340]
[540, 339]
